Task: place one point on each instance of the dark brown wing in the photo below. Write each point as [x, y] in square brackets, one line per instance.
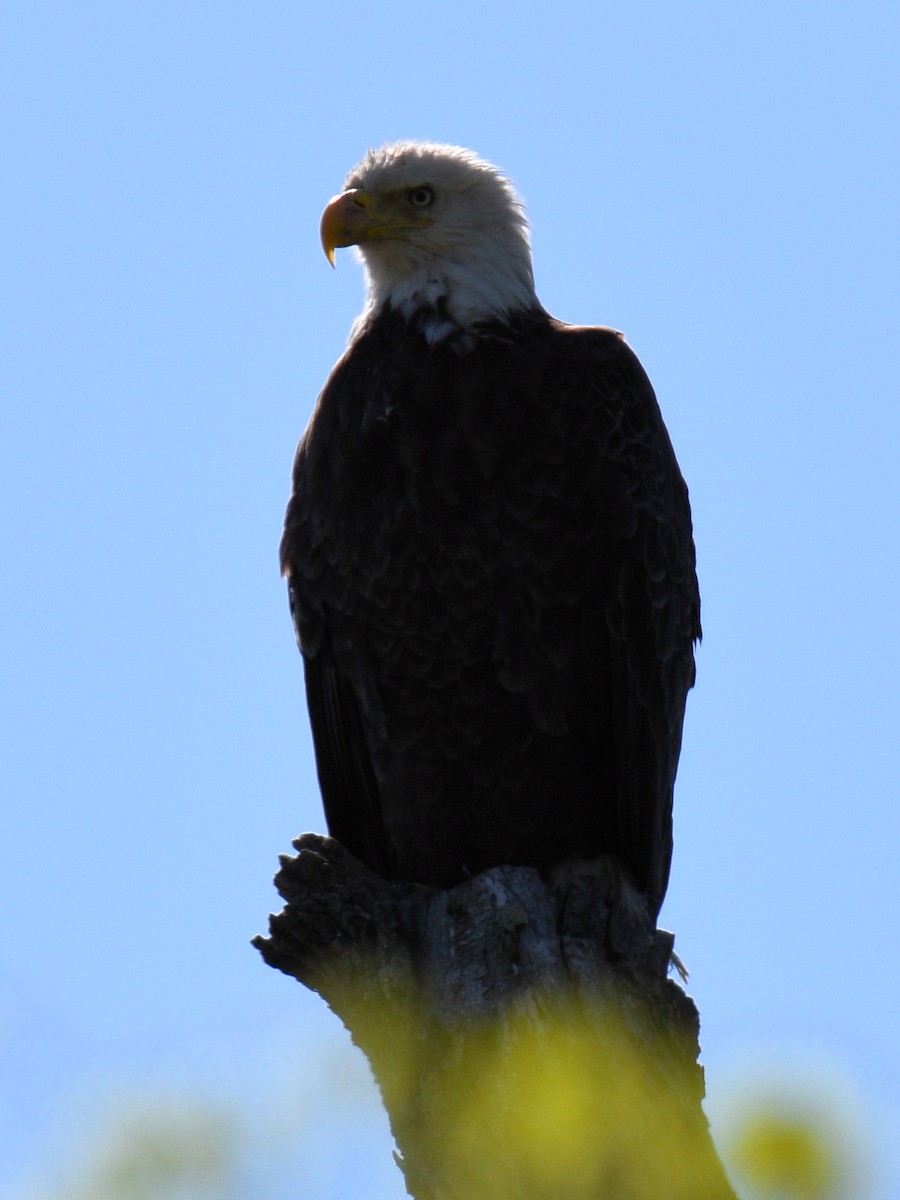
[638, 658]
[492, 577]
[322, 515]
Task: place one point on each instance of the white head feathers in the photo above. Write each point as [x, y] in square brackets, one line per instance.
[445, 229]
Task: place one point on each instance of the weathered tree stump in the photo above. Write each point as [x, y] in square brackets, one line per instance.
[524, 1033]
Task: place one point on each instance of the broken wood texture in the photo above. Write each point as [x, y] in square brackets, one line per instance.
[524, 1034]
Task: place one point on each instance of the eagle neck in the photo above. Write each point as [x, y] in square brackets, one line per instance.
[435, 327]
[447, 297]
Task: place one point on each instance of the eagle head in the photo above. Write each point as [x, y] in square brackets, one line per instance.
[437, 228]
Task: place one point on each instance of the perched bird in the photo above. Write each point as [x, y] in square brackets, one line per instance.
[489, 553]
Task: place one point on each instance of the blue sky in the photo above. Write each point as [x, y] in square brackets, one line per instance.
[718, 181]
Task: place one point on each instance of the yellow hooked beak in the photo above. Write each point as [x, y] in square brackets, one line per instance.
[346, 221]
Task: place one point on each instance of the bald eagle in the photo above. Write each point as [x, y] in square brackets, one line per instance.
[489, 553]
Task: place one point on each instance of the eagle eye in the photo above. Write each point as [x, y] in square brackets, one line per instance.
[421, 196]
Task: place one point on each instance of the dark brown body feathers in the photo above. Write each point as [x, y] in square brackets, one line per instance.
[491, 570]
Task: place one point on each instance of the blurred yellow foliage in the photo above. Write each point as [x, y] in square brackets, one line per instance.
[570, 1105]
[557, 1101]
[790, 1154]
